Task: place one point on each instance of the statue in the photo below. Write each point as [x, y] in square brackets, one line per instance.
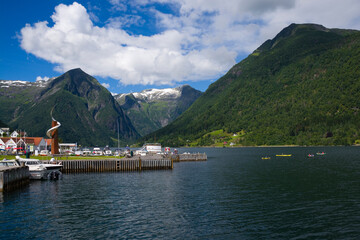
[53, 134]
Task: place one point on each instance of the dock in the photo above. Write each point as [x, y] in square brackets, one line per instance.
[136, 163]
[13, 177]
[116, 165]
[191, 157]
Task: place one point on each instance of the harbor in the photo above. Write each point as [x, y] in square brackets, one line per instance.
[14, 175]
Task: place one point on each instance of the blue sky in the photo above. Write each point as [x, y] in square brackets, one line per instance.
[140, 44]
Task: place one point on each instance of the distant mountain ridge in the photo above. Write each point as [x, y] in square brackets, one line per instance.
[152, 109]
[300, 88]
[87, 111]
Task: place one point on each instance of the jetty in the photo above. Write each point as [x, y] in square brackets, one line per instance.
[190, 157]
[135, 163]
[13, 177]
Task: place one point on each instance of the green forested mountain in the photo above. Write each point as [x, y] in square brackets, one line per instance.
[86, 110]
[302, 88]
[152, 109]
[2, 124]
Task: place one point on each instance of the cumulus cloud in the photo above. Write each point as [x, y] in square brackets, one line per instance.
[200, 41]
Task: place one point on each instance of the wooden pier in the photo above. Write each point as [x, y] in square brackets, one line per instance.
[116, 165]
[136, 163]
[13, 177]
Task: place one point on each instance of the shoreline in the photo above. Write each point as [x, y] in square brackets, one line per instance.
[271, 146]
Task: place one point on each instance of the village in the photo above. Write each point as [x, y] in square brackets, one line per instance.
[17, 142]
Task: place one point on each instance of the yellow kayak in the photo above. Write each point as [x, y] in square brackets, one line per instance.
[265, 158]
[283, 155]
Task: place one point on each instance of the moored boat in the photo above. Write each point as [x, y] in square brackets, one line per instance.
[107, 151]
[97, 151]
[39, 170]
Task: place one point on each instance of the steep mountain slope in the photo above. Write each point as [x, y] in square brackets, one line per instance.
[2, 125]
[302, 87]
[152, 109]
[87, 111]
[15, 96]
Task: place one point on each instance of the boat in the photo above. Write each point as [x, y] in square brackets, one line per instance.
[79, 153]
[141, 152]
[283, 155]
[86, 151]
[37, 169]
[97, 151]
[44, 152]
[107, 151]
[310, 155]
[150, 148]
[320, 153]
[265, 158]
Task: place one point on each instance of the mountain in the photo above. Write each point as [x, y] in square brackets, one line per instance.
[88, 113]
[152, 109]
[301, 88]
[2, 125]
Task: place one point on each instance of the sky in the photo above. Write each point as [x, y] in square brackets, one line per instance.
[132, 45]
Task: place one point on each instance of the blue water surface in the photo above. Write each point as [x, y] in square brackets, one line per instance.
[233, 195]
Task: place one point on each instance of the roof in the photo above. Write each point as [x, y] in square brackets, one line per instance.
[29, 140]
[36, 140]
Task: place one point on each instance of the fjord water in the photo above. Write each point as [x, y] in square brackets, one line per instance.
[233, 195]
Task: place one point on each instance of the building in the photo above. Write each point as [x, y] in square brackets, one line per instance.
[67, 148]
[4, 131]
[31, 144]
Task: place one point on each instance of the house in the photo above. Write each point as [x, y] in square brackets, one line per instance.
[67, 148]
[25, 143]
[2, 145]
[10, 144]
[4, 131]
[34, 143]
[16, 134]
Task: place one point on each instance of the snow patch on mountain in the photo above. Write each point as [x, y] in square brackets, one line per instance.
[149, 95]
[18, 83]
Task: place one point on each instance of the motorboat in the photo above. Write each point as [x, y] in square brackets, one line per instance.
[86, 151]
[141, 152]
[97, 151]
[37, 169]
[107, 151]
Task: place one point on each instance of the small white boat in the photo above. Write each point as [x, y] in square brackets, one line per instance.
[37, 169]
[86, 151]
[97, 151]
[141, 152]
[107, 151]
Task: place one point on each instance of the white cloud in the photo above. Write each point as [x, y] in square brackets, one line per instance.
[39, 78]
[200, 42]
[106, 85]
